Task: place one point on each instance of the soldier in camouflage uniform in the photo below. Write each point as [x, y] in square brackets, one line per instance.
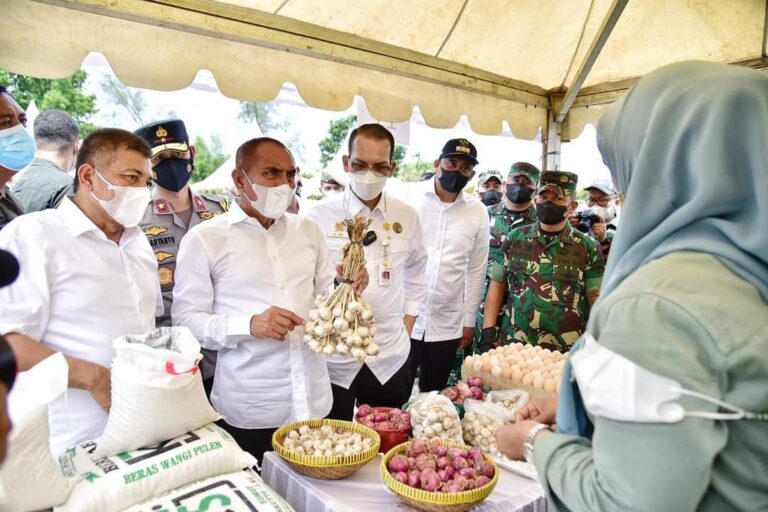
[175, 208]
[515, 210]
[490, 186]
[552, 271]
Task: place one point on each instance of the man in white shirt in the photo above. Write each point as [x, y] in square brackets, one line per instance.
[245, 281]
[88, 275]
[456, 234]
[394, 255]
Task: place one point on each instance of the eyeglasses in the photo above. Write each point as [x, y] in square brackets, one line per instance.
[455, 164]
[381, 170]
[603, 201]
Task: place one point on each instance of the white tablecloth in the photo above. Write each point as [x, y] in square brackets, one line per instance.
[364, 491]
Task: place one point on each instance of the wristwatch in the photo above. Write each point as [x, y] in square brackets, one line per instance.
[528, 446]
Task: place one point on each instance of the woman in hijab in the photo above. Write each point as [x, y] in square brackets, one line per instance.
[673, 370]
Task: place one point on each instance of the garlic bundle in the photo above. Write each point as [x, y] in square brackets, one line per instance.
[342, 323]
[326, 441]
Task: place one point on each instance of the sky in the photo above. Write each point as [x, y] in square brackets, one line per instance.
[207, 112]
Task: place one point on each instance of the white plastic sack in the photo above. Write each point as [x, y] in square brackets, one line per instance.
[511, 399]
[157, 391]
[121, 481]
[243, 491]
[30, 479]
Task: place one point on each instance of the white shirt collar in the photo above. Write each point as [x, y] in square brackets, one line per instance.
[236, 214]
[353, 205]
[79, 223]
[429, 190]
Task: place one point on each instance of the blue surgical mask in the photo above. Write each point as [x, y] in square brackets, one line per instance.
[17, 148]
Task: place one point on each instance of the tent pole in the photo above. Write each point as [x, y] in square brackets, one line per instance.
[551, 145]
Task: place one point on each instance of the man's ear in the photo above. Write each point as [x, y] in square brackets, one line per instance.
[392, 169]
[572, 208]
[238, 179]
[437, 165]
[192, 153]
[345, 162]
[85, 176]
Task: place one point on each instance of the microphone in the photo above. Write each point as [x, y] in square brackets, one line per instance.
[9, 268]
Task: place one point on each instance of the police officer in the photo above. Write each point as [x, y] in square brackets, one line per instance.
[329, 187]
[489, 187]
[553, 272]
[515, 210]
[174, 209]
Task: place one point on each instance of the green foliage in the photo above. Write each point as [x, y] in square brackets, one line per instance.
[63, 94]
[337, 132]
[315, 197]
[263, 113]
[306, 175]
[129, 98]
[412, 171]
[399, 154]
[208, 157]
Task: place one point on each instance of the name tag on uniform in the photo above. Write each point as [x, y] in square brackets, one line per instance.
[338, 234]
[385, 274]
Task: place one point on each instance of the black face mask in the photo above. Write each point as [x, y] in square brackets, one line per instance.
[173, 173]
[490, 197]
[518, 194]
[452, 181]
[550, 213]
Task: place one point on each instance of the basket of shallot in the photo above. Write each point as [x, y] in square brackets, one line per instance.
[392, 424]
[439, 476]
[344, 324]
[326, 449]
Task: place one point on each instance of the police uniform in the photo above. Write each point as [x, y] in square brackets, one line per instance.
[548, 276]
[10, 208]
[164, 228]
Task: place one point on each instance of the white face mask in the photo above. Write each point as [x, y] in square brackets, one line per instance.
[614, 387]
[128, 205]
[367, 185]
[271, 202]
[606, 212]
[332, 193]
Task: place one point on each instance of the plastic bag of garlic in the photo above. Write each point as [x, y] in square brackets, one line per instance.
[517, 366]
[480, 423]
[343, 323]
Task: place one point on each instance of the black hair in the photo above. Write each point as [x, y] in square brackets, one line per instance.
[55, 130]
[99, 149]
[373, 131]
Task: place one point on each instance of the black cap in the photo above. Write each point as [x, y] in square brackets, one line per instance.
[163, 135]
[460, 147]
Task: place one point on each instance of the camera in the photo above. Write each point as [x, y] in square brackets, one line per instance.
[586, 219]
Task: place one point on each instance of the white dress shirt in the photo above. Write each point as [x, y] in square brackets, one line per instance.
[77, 292]
[457, 237]
[230, 268]
[406, 289]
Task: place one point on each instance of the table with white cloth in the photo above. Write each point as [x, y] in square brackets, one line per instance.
[365, 491]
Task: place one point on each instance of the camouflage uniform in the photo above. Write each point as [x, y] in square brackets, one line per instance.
[548, 277]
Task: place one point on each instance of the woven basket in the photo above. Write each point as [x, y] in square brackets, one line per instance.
[436, 501]
[326, 468]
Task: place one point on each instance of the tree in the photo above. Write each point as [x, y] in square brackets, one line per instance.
[337, 132]
[267, 115]
[208, 158]
[63, 94]
[127, 97]
[399, 154]
[412, 171]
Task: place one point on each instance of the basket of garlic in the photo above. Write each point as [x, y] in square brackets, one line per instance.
[326, 449]
[517, 366]
[343, 323]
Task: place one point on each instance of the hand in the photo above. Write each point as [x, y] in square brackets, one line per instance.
[100, 385]
[511, 438]
[466, 338]
[274, 323]
[598, 228]
[359, 282]
[573, 219]
[541, 408]
[409, 322]
[488, 339]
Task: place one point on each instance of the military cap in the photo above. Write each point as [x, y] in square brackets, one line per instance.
[524, 169]
[486, 175]
[560, 182]
[460, 147]
[170, 134]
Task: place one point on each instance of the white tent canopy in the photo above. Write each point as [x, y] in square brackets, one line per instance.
[494, 60]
